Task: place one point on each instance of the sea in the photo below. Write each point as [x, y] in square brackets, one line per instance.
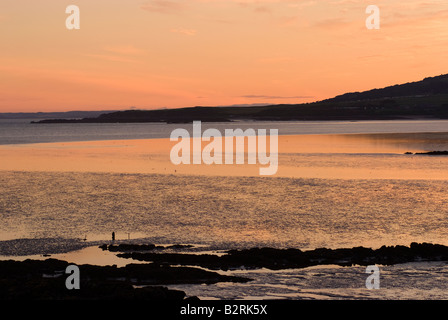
[345, 184]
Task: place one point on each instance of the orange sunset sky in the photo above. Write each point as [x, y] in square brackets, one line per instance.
[179, 53]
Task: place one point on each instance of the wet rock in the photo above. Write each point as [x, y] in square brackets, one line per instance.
[126, 247]
[275, 259]
[179, 246]
[45, 280]
[22, 247]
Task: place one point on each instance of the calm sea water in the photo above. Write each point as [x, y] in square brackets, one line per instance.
[21, 131]
[223, 212]
[56, 209]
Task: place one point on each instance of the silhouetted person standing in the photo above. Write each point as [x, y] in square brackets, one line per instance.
[113, 236]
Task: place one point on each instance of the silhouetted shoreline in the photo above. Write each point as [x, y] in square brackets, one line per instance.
[433, 153]
[45, 280]
[276, 259]
[425, 99]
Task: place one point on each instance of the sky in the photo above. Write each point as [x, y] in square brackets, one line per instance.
[150, 54]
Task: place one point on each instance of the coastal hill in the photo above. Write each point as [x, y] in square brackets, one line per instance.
[53, 115]
[427, 98]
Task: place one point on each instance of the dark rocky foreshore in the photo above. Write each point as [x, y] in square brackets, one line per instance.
[124, 247]
[430, 153]
[434, 153]
[45, 280]
[276, 259]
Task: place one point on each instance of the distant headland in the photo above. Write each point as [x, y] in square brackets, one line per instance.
[425, 99]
